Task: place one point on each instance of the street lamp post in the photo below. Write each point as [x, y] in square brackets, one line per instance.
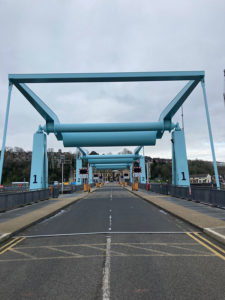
[62, 162]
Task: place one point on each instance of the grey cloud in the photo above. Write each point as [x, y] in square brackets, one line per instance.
[104, 36]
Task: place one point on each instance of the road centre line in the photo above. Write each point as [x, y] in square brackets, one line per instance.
[106, 272]
[197, 238]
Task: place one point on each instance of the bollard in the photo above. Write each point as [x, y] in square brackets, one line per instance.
[136, 186]
[132, 186]
[85, 187]
[89, 188]
[51, 190]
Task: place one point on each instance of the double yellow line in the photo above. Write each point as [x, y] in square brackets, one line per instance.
[218, 251]
[11, 244]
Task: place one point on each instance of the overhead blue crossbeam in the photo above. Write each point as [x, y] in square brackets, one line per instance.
[108, 127]
[110, 161]
[100, 139]
[111, 166]
[106, 77]
[111, 156]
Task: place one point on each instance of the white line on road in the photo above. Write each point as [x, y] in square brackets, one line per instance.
[163, 212]
[106, 272]
[105, 232]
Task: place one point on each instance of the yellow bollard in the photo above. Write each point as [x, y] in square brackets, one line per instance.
[89, 188]
[125, 184]
[136, 186]
[85, 187]
[132, 186]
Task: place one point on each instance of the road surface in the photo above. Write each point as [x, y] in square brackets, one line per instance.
[112, 245]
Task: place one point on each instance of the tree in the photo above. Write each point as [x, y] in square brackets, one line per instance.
[94, 153]
[125, 151]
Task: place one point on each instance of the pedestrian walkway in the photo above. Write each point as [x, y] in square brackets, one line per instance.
[17, 219]
[209, 219]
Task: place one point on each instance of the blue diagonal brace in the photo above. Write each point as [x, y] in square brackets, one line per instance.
[175, 104]
[49, 116]
[82, 151]
[37, 103]
[137, 150]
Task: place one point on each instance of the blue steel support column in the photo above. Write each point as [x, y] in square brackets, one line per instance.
[142, 165]
[90, 174]
[5, 130]
[78, 167]
[173, 164]
[180, 164]
[39, 169]
[131, 173]
[210, 135]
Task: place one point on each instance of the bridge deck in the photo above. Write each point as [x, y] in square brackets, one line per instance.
[91, 250]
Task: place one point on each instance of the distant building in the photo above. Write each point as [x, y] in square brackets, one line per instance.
[201, 178]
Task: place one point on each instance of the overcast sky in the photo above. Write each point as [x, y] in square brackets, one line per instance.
[39, 36]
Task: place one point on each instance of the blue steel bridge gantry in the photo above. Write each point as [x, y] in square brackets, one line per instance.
[109, 134]
[108, 162]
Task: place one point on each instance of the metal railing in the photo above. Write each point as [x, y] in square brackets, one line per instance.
[11, 200]
[206, 195]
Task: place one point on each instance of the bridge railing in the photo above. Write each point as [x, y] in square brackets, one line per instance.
[13, 200]
[206, 195]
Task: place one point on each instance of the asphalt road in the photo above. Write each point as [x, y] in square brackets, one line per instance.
[112, 245]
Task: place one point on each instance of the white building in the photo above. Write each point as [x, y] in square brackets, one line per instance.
[201, 178]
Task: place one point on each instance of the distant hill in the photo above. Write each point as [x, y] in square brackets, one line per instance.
[18, 162]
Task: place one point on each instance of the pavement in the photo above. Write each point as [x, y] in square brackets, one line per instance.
[210, 220]
[14, 221]
[112, 244]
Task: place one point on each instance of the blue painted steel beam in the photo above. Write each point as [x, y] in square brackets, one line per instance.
[137, 150]
[109, 127]
[106, 77]
[37, 103]
[175, 104]
[110, 161]
[82, 151]
[119, 156]
[88, 139]
[111, 167]
[5, 131]
[210, 135]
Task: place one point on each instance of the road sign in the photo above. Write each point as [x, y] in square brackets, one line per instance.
[83, 173]
[136, 171]
[126, 176]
